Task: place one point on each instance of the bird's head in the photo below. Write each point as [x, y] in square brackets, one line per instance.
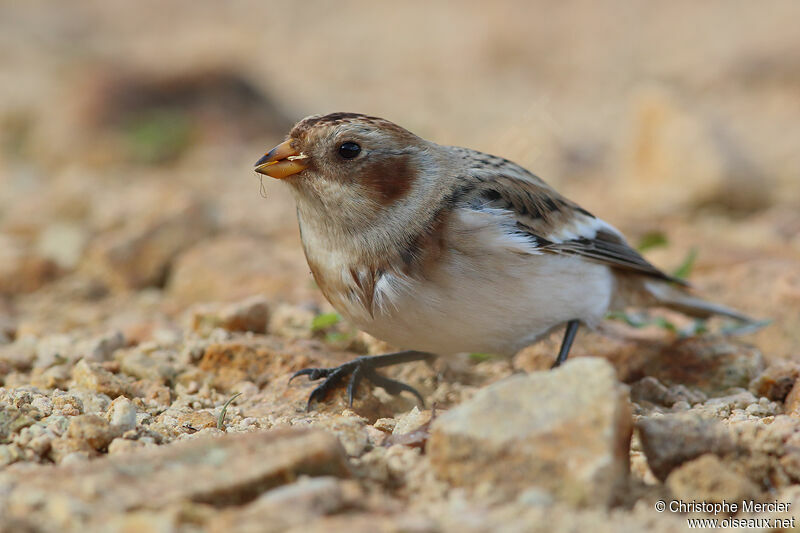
[351, 165]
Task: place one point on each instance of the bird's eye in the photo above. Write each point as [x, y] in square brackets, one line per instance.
[349, 150]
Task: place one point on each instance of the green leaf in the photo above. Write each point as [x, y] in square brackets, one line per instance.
[158, 135]
[631, 320]
[480, 357]
[337, 336]
[683, 271]
[324, 321]
[652, 239]
[663, 323]
[641, 321]
[697, 327]
[221, 419]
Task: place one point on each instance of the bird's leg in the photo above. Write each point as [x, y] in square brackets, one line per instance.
[362, 368]
[566, 344]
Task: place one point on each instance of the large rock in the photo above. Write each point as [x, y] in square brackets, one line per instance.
[713, 365]
[231, 267]
[290, 506]
[565, 431]
[139, 254]
[677, 158]
[228, 470]
[669, 441]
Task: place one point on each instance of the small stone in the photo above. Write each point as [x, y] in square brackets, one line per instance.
[63, 243]
[102, 348]
[95, 378]
[20, 354]
[412, 429]
[385, 424]
[251, 314]
[651, 390]
[13, 420]
[93, 429]
[93, 402]
[246, 388]
[708, 479]
[566, 431]
[723, 406]
[776, 381]
[60, 449]
[671, 440]
[54, 350]
[122, 414]
[40, 444]
[292, 322]
[75, 458]
[55, 377]
[197, 420]
[230, 363]
[9, 453]
[351, 430]
[411, 421]
[22, 269]
[57, 424]
[121, 446]
[141, 365]
[43, 404]
[152, 394]
[792, 400]
[760, 410]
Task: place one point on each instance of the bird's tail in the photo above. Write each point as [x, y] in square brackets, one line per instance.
[673, 297]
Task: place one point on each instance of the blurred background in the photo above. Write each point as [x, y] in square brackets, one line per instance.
[128, 131]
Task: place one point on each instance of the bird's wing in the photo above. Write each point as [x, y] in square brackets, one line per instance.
[552, 222]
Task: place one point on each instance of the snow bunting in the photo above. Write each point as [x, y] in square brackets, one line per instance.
[441, 250]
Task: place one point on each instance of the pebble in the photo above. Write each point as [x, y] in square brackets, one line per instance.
[122, 414]
[671, 440]
[93, 429]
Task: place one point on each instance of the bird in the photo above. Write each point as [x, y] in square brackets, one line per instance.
[441, 250]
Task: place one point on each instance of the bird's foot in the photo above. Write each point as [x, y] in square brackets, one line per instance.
[361, 368]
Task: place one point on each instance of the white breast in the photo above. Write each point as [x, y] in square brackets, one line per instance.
[490, 292]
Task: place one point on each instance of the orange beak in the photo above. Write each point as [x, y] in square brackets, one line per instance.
[282, 161]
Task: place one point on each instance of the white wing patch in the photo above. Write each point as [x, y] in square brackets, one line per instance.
[579, 226]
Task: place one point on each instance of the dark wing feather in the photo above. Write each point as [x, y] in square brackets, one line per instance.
[610, 248]
[554, 223]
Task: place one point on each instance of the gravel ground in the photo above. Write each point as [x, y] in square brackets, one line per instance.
[154, 299]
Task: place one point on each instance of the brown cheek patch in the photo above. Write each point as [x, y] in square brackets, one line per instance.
[388, 180]
[422, 253]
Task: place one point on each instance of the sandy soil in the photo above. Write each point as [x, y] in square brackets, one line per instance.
[147, 275]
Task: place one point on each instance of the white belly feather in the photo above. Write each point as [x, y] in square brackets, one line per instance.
[490, 292]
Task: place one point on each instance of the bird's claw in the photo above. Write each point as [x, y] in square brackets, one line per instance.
[357, 370]
[312, 373]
